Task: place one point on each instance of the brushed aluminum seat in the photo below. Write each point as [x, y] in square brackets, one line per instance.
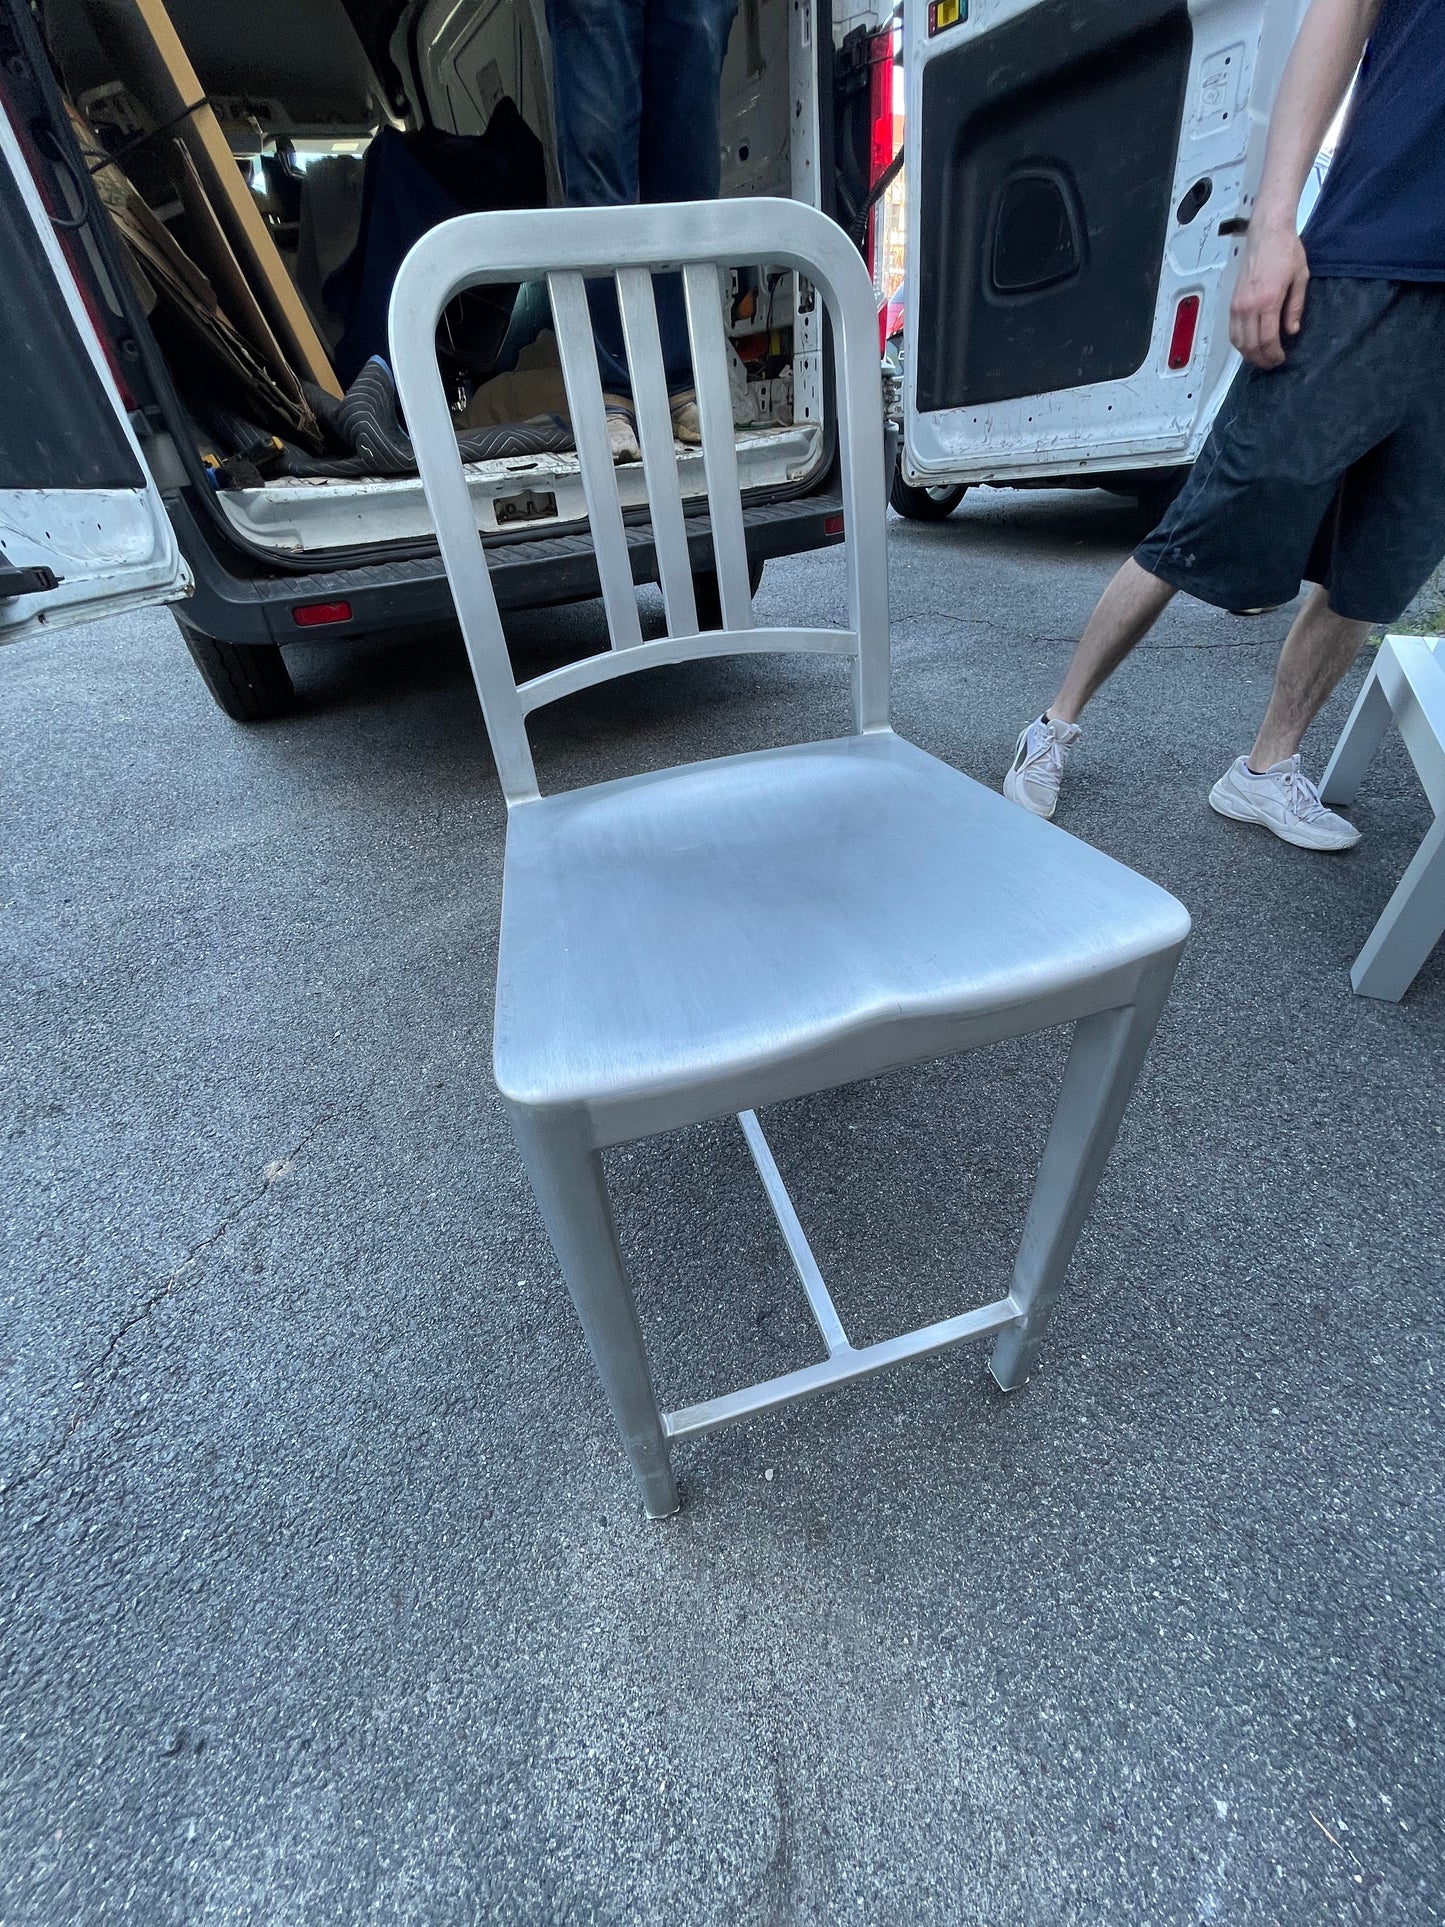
[702, 940]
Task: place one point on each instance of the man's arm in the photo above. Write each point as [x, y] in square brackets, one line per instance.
[1274, 273]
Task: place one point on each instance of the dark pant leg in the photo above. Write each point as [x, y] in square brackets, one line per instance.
[680, 149]
[597, 69]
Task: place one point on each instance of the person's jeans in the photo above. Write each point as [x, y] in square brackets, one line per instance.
[636, 86]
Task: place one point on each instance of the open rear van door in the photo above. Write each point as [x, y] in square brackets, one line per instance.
[83, 530]
[1079, 175]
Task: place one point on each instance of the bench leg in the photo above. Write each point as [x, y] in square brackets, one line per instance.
[1105, 1057]
[1361, 736]
[571, 1194]
[1409, 926]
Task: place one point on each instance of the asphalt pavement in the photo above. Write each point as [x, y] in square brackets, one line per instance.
[325, 1594]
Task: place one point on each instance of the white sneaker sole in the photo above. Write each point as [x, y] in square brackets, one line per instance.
[1224, 802]
[1014, 790]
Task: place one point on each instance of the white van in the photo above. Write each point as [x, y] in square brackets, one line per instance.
[1079, 173]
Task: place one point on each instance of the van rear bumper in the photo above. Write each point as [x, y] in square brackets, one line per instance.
[525, 573]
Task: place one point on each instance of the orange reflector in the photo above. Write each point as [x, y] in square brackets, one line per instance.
[1181, 342]
[945, 13]
[832, 525]
[311, 615]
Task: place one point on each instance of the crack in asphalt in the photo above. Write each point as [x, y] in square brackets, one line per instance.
[95, 1379]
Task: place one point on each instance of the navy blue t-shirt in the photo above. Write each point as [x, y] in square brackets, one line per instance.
[1381, 212]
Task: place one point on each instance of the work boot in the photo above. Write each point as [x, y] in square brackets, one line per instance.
[622, 430]
[686, 428]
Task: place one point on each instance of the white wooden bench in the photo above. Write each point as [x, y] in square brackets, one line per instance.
[1406, 687]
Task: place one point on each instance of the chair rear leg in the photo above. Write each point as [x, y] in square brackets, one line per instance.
[1105, 1057]
[572, 1196]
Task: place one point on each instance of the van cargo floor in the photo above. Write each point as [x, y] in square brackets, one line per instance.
[302, 515]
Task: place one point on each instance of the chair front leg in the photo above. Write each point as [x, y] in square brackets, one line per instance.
[1105, 1057]
[571, 1194]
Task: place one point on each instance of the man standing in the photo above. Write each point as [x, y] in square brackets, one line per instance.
[1327, 460]
[636, 86]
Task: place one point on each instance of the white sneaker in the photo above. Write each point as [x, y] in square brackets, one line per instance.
[1284, 800]
[1038, 765]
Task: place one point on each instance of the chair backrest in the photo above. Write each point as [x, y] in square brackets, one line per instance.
[631, 244]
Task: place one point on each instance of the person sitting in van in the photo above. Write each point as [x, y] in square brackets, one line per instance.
[1327, 460]
[636, 89]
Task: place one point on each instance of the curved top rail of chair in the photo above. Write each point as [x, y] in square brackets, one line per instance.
[565, 244]
[472, 249]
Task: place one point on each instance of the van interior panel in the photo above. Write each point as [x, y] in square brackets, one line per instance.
[1048, 151]
[54, 434]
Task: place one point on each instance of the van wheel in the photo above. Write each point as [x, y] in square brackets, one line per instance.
[252, 684]
[708, 597]
[924, 504]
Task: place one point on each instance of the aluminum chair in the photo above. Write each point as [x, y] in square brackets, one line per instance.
[1406, 686]
[727, 934]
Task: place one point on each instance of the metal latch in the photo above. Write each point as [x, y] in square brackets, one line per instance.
[531, 505]
[17, 582]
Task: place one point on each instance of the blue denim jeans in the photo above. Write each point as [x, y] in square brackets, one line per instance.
[636, 86]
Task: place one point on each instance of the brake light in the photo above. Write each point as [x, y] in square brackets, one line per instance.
[311, 615]
[1181, 342]
[880, 126]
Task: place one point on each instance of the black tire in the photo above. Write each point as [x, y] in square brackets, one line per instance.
[251, 684]
[924, 504]
[708, 597]
[1156, 488]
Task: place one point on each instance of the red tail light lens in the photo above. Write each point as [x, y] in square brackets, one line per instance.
[1181, 342]
[880, 124]
[311, 615]
[880, 105]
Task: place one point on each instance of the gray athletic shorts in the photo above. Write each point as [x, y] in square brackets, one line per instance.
[1330, 469]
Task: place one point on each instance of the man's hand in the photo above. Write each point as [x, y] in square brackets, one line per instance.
[1269, 296]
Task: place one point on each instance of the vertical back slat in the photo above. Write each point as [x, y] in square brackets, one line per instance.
[578, 351]
[654, 431]
[719, 448]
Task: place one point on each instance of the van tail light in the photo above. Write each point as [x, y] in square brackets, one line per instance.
[1181, 342]
[312, 615]
[880, 130]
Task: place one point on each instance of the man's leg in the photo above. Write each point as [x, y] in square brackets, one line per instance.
[1267, 787]
[680, 148]
[597, 50]
[1317, 651]
[1123, 616]
[1124, 613]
